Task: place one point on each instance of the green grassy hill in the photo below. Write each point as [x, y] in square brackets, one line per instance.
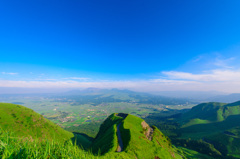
[22, 132]
[205, 112]
[216, 123]
[24, 122]
[138, 140]
[106, 139]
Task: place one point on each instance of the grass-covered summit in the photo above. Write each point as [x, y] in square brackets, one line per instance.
[138, 139]
[26, 123]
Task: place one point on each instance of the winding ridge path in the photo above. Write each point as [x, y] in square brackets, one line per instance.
[120, 143]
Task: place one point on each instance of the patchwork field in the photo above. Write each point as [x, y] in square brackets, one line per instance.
[85, 113]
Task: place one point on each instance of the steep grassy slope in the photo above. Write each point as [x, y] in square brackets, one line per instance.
[138, 139]
[140, 146]
[13, 148]
[106, 139]
[26, 123]
[217, 123]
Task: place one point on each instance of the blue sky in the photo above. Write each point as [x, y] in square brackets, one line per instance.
[140, 45]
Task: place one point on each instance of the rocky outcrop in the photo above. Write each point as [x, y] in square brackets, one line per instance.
[148, 131]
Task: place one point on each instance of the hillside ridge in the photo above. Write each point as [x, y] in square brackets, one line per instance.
[125, 133]
[215, 123]
[120, 142]
[24, 122]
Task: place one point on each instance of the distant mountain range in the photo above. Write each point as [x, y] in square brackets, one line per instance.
[225, 98]
[201, 96]
[189, 96]
[95, 95]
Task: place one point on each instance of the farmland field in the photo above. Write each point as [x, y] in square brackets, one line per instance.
[85, 113]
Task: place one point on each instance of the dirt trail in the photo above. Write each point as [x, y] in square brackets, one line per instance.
[120, 143]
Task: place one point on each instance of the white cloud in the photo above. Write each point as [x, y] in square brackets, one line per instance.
[9, 73]
[185, 84]
[213, 75]
[47, 79]
[78, 78]
[225, 80]
[65, 84]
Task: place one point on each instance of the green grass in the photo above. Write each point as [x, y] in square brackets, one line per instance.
[211, 112]
[26, 134]
[140, 147]
[106, 139]
[195, 121]
[193, 154]
[202, 130]
[27, 123]
[135, 143]
[229, 144]
[82, 140]
[12, 147]
[210, 121]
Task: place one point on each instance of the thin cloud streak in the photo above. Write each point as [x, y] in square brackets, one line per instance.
[213, 75]
[141, 85]
[9, 73]
[224, 80]
[224, 63]
[78, 78]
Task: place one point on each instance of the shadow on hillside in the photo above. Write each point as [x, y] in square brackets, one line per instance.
[208, 131]
[19, 155]
[125, 135]
[170, 113]
[85, 135]
[82, 140]
[211, 128]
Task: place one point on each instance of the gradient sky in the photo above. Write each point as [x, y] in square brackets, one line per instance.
[141, 45]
